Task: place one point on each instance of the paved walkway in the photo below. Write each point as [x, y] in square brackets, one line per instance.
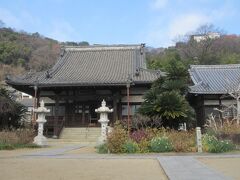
[176, 167]
[56, 152]
[187, 168]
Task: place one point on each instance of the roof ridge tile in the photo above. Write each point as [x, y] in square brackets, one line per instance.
[218, 66]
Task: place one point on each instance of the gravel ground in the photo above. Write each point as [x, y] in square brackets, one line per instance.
[15, 166]
[228, 166]
[66, 169]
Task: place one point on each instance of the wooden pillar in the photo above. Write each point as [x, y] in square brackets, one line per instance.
[34, 105]
[55, 128]
[202, 110]
[220, 107]
[66, 117]
[128, 110]
[115, 106]
[38, 98]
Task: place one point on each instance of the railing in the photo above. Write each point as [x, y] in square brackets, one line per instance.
[60, 127]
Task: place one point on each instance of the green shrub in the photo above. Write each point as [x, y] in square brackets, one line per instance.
[26, 146]
[116, 139]
[154, 132]
[144, 146]
[130, 147]
[161, 144]
[102, 149]
[213, 145]
[4, 146]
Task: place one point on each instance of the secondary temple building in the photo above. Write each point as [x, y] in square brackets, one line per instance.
[82, 77]
[211, 89]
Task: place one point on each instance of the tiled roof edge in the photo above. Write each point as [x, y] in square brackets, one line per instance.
[157, 72]
[194, 76]
[216, 66]
[102, 47]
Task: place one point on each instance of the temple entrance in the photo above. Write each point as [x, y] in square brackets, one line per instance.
[81, 114]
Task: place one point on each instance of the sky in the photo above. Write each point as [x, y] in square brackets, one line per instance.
[154, 22]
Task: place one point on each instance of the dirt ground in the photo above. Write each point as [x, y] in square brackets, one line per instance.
[93, 169]
[228, 166]
[17, 152]
[39, 168]
[84, 150]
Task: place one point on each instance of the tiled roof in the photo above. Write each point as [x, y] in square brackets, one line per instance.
[26, 102]
[214, 79]
[93, 66]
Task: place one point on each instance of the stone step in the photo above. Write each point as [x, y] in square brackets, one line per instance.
[97, 132]
[83, 129]
[80, 131]
[82, 141]
[59, 141]
[86, 134]
[79, 135]
[73, 140]
[67, 138]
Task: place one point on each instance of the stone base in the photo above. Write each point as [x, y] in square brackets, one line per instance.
[101, 140]
[40, 140]
[54, 137]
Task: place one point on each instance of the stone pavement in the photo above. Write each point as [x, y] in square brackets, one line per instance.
[187, 168]
[55, 152]
[176, 167]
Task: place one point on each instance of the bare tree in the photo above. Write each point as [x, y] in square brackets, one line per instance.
[234, 92]
[198, 45]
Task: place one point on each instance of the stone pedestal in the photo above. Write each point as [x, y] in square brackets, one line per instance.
[40, 139]
[103, 110]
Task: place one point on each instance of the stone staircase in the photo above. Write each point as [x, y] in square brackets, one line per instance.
[78, 135]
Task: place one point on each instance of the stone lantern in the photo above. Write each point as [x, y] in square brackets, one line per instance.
[41, 111]
[103, 110]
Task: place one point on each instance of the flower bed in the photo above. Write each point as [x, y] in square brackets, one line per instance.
[162, 140]
[149, 140]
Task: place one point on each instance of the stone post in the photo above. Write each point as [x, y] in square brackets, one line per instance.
[103, 110]
[199, 139]
[40, 139]
[238, 110]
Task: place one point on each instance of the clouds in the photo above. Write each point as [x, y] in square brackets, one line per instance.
[158, 4]
[58, 29]
[18, 20]
[186, 23]
[62, 31]
[163, 34]
[177, 18]
[9, 19]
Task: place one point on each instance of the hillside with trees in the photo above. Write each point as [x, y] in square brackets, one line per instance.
[21, 51]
